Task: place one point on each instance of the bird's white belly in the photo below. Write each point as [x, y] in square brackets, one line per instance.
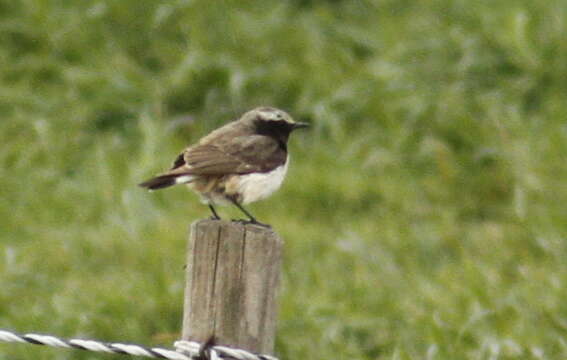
[258, 186]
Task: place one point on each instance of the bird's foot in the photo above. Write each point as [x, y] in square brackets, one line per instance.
[251, 222]
[215, 216]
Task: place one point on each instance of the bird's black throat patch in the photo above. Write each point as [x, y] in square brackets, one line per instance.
[278, 130]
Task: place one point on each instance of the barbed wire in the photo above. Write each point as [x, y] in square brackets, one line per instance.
[184, 350]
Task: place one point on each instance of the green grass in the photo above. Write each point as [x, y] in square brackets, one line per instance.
[424, 214]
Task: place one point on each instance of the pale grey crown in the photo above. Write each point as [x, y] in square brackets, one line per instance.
[267, 114]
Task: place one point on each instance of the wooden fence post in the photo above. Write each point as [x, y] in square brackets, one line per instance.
[232, 277]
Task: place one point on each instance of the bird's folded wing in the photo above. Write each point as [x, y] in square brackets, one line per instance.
[241, 155]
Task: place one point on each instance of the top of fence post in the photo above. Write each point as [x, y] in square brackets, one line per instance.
[232, 278]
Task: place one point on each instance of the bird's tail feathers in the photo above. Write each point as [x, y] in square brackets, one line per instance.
[167, 180]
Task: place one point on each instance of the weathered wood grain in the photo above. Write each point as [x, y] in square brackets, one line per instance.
[233, 273]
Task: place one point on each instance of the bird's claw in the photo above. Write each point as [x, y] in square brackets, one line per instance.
[251, 222]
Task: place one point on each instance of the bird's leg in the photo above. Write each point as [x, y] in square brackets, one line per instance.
[215, 215]
[252, 218]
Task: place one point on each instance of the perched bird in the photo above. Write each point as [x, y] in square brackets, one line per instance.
[243, 161]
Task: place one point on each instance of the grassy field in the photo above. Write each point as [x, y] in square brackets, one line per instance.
[425, 213]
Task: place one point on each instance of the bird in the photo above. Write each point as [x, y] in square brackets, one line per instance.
[242, 162]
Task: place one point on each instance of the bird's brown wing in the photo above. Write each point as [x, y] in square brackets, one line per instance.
[240, 155]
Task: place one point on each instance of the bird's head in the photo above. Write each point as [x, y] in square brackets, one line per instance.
[273, 122]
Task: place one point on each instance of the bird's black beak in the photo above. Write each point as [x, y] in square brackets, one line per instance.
[300, 125]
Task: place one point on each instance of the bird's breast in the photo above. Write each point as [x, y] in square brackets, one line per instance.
[258, 186]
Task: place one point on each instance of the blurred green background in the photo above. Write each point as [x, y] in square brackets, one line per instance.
[425, 213]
